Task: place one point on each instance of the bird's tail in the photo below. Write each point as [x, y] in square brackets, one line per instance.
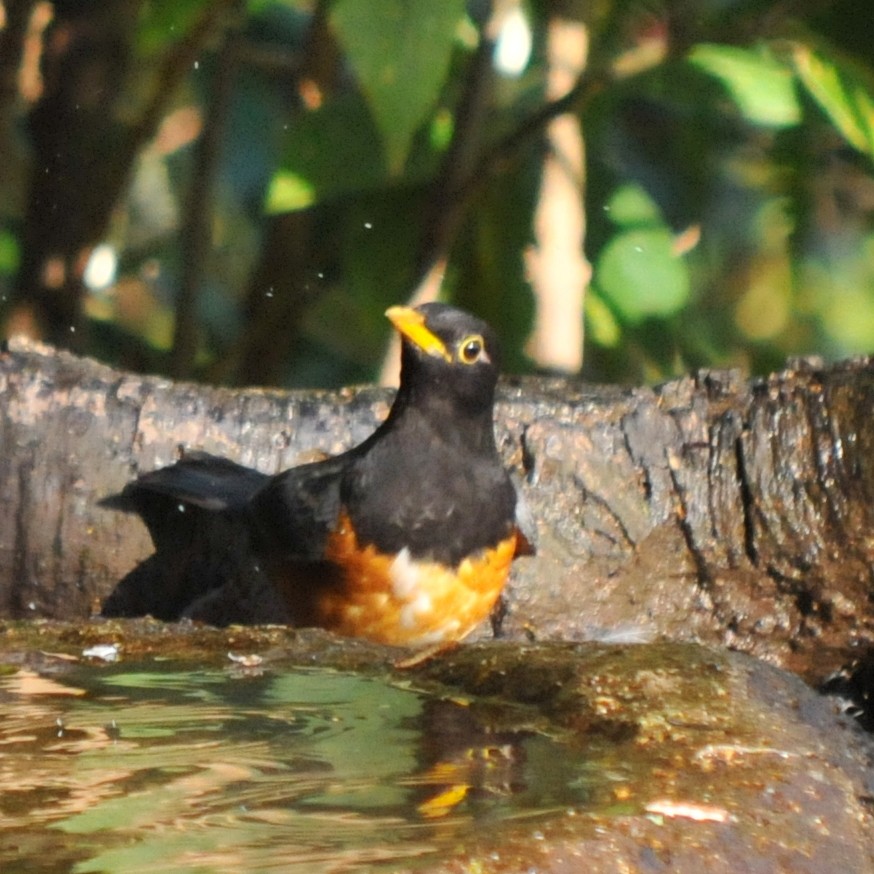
[195, 511]
[180, 502]
[196, 480]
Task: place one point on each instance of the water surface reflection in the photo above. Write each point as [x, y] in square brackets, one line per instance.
[153, 766]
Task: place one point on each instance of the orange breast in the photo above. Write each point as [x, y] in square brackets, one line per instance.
[399, 600]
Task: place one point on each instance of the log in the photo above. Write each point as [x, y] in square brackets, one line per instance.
[712, 508]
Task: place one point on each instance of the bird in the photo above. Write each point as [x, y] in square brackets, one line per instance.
[406, 539]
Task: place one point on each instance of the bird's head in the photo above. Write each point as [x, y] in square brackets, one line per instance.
[448, 356]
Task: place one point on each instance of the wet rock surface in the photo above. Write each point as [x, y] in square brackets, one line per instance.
[717, 762]
[690, 758]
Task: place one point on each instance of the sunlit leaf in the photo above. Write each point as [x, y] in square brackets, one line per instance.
[838, 290]
[441, 129]
[849, 319]
[400, 51]
[845, 98]
[601, 325]
[630, 205]
[640, 274]
[761, 87]
[763, 309]
[288, 192]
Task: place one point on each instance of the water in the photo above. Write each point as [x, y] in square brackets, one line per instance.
[141, 767]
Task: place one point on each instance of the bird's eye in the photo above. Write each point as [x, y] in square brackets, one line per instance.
[471, 349]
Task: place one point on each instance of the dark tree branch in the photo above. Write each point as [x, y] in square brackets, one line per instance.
[84, 151]
[445, 208]
[12, 37]
[200, 214]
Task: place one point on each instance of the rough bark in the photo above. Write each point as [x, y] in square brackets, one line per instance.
[712, 508]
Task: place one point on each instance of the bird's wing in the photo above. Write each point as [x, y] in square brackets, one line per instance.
[199, 480]
[294, 511]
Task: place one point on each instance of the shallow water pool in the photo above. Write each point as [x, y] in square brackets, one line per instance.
[153, 766]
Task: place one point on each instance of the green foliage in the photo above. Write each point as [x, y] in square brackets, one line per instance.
[9, 253]
[488, 272]
[333, 150]
[638, 270]
[759, 85]
[377, 240]
[729, 185]
[400, 51]
[641, 275]
[845, 95]
[163, 21]
[735, 181]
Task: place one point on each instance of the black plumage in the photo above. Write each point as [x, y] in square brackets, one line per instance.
[428, 482]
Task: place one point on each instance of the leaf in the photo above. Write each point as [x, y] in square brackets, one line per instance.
[761, 87]
[9, 253]
[330, 151]
[601, 325]
[630, 205]
[845, 98]
[288, 192]
[400, 51]
[164, 22]
[641, 275]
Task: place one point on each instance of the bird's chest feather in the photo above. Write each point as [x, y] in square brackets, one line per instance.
[398, 599]
[437, 503]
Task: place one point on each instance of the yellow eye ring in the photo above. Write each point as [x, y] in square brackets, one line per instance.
[471, 349]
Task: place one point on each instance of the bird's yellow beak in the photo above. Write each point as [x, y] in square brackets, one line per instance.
[410, 323]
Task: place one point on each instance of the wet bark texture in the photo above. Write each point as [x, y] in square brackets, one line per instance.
[712, 508]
